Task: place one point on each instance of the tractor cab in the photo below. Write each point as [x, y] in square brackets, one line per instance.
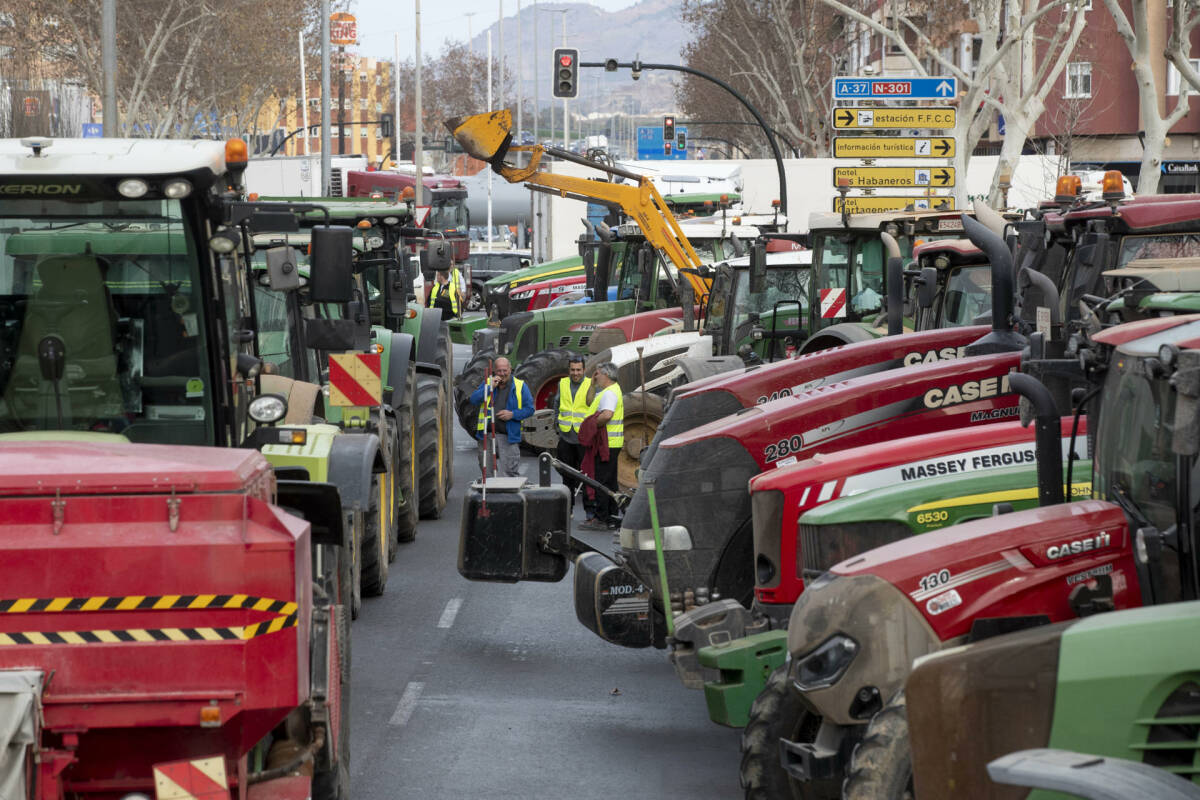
[953, 284]
[759, 304]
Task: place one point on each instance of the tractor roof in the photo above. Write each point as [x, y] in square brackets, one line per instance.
[81, 157]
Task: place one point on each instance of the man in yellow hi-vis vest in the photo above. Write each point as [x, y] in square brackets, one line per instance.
[570, 407]
[609, 410]
[446, 292]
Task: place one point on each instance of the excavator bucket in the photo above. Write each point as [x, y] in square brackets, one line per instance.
[484, 136]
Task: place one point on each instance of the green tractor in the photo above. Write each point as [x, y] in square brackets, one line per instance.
[385, 272]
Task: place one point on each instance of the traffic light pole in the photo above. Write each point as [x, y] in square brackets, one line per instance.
[637, 66]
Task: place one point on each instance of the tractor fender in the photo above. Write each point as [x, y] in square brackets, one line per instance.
[353, 459]
[319, 503]
[427, 341]
[838, 335]
[398, 357]
[694, 369]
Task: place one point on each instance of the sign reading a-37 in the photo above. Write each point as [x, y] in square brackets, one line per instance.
[893, 177]
[885, 88]
[933, 118]
[892, 147]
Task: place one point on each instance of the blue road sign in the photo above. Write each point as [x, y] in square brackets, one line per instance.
[651, 147]
[885, 88]
[93, 130]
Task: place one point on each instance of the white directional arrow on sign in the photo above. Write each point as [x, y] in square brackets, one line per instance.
[944, 89]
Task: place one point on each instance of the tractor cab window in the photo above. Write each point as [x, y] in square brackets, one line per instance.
[447, 215]
[783, 306]
[1133, 443]
[968, 294]
[867, 287]
[100, 321]
[1183, 245]
[854, 264]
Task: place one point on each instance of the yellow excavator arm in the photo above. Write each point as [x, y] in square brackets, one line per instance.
[488, 137]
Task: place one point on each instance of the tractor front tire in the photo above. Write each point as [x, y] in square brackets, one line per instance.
[643, 414]
[445, 360]
[778, 713]
[406, 463]
[471, 379]
[333, 783]
[881, 766]
[430, 446]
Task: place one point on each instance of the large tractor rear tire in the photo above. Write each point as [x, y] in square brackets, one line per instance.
[542, 371]
[445, 360]
[375, 540]
[356, 522]
[430, 442]
[471, 379]
[778, 713]
[643, 414]
[406, 464]
[881, 766]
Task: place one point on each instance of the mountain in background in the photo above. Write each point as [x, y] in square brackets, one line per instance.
[651, 30]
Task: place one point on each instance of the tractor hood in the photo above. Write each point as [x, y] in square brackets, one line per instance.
[83, 464]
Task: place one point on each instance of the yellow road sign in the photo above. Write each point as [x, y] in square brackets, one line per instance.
[892, 147]
[894, 177]
[879, 204]
[934, 118]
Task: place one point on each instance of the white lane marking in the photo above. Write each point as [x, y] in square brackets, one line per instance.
[450, 613]
[407, 704]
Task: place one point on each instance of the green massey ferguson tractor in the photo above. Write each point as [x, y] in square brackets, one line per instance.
[385, 271]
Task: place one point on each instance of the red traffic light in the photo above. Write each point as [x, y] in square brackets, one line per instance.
[565, 60]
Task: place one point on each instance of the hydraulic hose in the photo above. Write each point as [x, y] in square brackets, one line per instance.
[1047, 436]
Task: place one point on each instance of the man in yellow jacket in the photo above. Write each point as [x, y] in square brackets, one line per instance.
[446, 292]
[570, 406]
[609, 410]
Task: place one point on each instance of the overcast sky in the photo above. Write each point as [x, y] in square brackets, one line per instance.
[380, 20]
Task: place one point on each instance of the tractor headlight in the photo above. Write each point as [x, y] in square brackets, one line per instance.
[133, 188]
[825, 665]
[267, 409]
[177, 188]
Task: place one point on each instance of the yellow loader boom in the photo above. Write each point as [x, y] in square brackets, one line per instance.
[488, 137]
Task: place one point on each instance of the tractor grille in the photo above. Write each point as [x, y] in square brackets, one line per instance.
[1173, 740]
[822, 546]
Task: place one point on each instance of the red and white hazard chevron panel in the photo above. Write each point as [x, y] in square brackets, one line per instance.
[197, 779]
[354, 379]
[833, 303]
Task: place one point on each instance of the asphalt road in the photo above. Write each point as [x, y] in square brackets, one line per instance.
[478, 690]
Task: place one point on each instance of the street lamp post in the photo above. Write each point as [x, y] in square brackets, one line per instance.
[612, 65]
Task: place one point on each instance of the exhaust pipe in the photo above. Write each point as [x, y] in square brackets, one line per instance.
[895, 285]
[1002, 338]
[1047, 436]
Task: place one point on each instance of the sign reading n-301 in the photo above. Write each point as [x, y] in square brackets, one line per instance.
[932, 118]
[893, 177]
[892, 147]
[886, 88]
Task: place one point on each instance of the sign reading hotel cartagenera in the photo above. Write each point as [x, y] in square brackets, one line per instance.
[877, 204]
[892, 147]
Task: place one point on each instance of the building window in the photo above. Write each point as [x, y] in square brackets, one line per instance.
[1175, 81]
[1079, 79]
[378, 108]
[362, 131]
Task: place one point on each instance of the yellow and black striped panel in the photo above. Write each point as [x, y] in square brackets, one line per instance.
[160, 602]
[285, 612]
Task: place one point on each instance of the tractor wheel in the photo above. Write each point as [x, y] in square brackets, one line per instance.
[445, 360]
[355, 521]
[542, 371]
[430, 442]
[881, 766]
[375, 540]
[471, 379]
[778, 713]
[643, 413]
[333, 782]
[406, 463]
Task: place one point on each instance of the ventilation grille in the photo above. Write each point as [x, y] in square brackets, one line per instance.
[1173, 740]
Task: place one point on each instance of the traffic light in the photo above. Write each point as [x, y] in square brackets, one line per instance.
[681, 140]
[387, 130]
[566, 72]
[667, 149]
[668, 129]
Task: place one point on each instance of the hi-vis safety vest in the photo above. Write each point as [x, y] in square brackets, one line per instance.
[452, 287]
[485, 410]
[572, 410]
[616, 425]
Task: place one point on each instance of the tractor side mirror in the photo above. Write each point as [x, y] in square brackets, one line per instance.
[687, 300]
[758, 268]
[927, 287]
[332, 273]
[398, 287]
[282, 272]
